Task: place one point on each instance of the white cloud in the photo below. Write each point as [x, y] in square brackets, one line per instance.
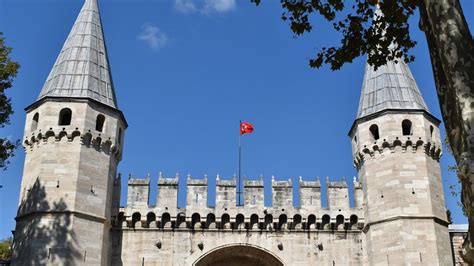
[219, 6]
[205, 6]
[185, 6]
[153, 36]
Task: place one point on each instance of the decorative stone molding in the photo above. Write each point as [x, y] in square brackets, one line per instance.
[398, 145]
[99, 141]
[289, 222]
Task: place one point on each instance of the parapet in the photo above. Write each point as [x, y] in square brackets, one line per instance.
[338, 195]
[138, 194]
[197, 182]
[310, 183]
[282, 199]
[164, 181]
[225, 182]
[196, 194]
[254, 193]
[138, 182]
[310, 194]
[226, 194]
[282, 193]
[168, 192]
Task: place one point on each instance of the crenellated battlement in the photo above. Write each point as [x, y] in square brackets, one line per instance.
[282, 193]
[90, 138]
[398, 145]
[283, 214]
[254, 193]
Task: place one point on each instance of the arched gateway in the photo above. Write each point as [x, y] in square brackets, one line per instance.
[233, 255]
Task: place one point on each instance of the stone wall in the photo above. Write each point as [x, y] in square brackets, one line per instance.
[296, 234]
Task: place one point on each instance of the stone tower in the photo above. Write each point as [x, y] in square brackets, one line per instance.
[73, 141]
[396, 149]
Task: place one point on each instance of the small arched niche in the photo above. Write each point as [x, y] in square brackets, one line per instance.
[225, 221]
[165, 220]
[34, 122]
[353, 222]
[150, 218]
[374, 132]
[407, 129]
[136, 218]
[311, 224]
[239, 221]
[297, 221]
[282, 221]
[196, 221]
[254, 222]
[181, 220]
[65, 117]
[210, 221]
[99, 122]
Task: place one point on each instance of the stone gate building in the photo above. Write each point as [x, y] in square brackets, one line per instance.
[69, 210]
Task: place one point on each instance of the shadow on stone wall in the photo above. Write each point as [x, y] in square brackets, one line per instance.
[116, 252]
[43, 233]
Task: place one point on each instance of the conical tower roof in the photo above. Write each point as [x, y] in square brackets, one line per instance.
[391, 86]
[82, 68]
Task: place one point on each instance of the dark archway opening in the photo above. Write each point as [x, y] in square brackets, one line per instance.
[239, 255]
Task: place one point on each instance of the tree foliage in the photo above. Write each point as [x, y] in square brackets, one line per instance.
[5, 248]
[8, 71]
[364, 31]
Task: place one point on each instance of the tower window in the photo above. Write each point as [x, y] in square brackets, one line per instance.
[34, 122]
[431, 130]
[374, 131]
[65, 117]
[406, 128]
[99, 122]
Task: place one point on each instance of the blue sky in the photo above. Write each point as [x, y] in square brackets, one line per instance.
[186, 72]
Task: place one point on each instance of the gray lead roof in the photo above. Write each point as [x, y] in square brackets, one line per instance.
[82, 68]
[391, 86]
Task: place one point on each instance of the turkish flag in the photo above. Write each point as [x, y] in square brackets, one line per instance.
[245, 127]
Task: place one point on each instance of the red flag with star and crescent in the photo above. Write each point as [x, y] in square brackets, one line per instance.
[246, 127]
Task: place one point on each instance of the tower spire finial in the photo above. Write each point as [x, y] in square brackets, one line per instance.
[82, 68]
[391, 86]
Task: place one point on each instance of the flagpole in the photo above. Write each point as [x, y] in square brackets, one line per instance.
[240, 163]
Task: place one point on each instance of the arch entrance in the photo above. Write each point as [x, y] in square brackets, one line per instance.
[238, 255]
